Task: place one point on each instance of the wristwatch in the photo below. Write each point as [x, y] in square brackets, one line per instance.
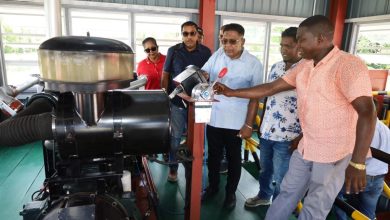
[358, 166]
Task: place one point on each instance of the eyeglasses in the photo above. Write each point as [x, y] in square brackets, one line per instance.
[185, 34]
[230, 41]
[147, 50]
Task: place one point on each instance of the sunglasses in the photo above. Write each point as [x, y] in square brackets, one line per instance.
[185, 34]
[230, 41]
[147, 50]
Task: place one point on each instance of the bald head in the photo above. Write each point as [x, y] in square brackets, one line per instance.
[319, 25]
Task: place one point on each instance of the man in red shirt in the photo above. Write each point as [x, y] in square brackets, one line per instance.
[152, 65]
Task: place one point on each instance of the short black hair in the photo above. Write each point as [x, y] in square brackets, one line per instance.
[319, 24]
[291, 32]
[189, 23]
[151, 39]
[235, 27]
[222, 28]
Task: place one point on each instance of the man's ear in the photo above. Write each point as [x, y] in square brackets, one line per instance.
[243, 41]
[321, 38]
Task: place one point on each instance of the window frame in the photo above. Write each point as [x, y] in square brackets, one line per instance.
[269, 21]
[357, 23]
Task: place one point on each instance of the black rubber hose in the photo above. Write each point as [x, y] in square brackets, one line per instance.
[23, 130]
[38, 106]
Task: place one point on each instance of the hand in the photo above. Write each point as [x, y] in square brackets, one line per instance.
[220, 88]
[205, 75]
[245, 132]
[355, 180]
[294, 143]
[293, 146]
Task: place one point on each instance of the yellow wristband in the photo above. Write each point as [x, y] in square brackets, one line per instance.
[248, 126]
[358, 166]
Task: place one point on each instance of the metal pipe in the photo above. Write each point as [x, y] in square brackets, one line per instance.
[141, 81]
[26, 85]
[90, 106]
[53, 17]
[349, 210]
[3, 72]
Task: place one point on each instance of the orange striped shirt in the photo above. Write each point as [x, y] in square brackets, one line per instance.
[325, 93]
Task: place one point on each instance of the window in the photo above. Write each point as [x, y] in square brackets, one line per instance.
[23, 30]
[105, 24]
[254, 36]
[164, 28]
[255, 40]
[373, 45]
[274, 47]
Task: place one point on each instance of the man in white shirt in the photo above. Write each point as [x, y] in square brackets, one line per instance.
[376, 171]
[231, 118]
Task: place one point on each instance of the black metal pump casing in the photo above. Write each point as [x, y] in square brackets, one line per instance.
[133, 122]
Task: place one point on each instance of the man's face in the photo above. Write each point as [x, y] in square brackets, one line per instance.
[289, 49]
[151, 49]
[189, 36]
[233, 44]
[308, 44]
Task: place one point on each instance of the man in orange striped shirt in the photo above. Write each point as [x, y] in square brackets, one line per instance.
[337, 117]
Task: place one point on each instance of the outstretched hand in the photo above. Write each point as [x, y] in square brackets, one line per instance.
[355, 180]
[221, 89]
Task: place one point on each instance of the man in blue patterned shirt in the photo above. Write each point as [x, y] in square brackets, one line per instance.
[280, 126]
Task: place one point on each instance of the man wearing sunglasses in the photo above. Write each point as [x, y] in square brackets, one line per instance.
[189, 52]
[231, 118]
[152, 65]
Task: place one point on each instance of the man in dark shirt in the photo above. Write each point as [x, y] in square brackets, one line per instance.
[189, 52]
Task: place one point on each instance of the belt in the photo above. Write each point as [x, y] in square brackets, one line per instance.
[372, 178]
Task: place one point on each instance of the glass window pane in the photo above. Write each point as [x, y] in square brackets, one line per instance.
[18, 73]
[100, 24]
[274, 50]
[254, 36]
[23, 30]
[373, 45]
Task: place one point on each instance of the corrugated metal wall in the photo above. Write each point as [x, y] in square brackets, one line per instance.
[364, 8]
[292, 8]
[193, 4]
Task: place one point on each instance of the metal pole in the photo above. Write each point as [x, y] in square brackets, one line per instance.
[53, 17]
[3, 72]
[314, 7]
[267, 44]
